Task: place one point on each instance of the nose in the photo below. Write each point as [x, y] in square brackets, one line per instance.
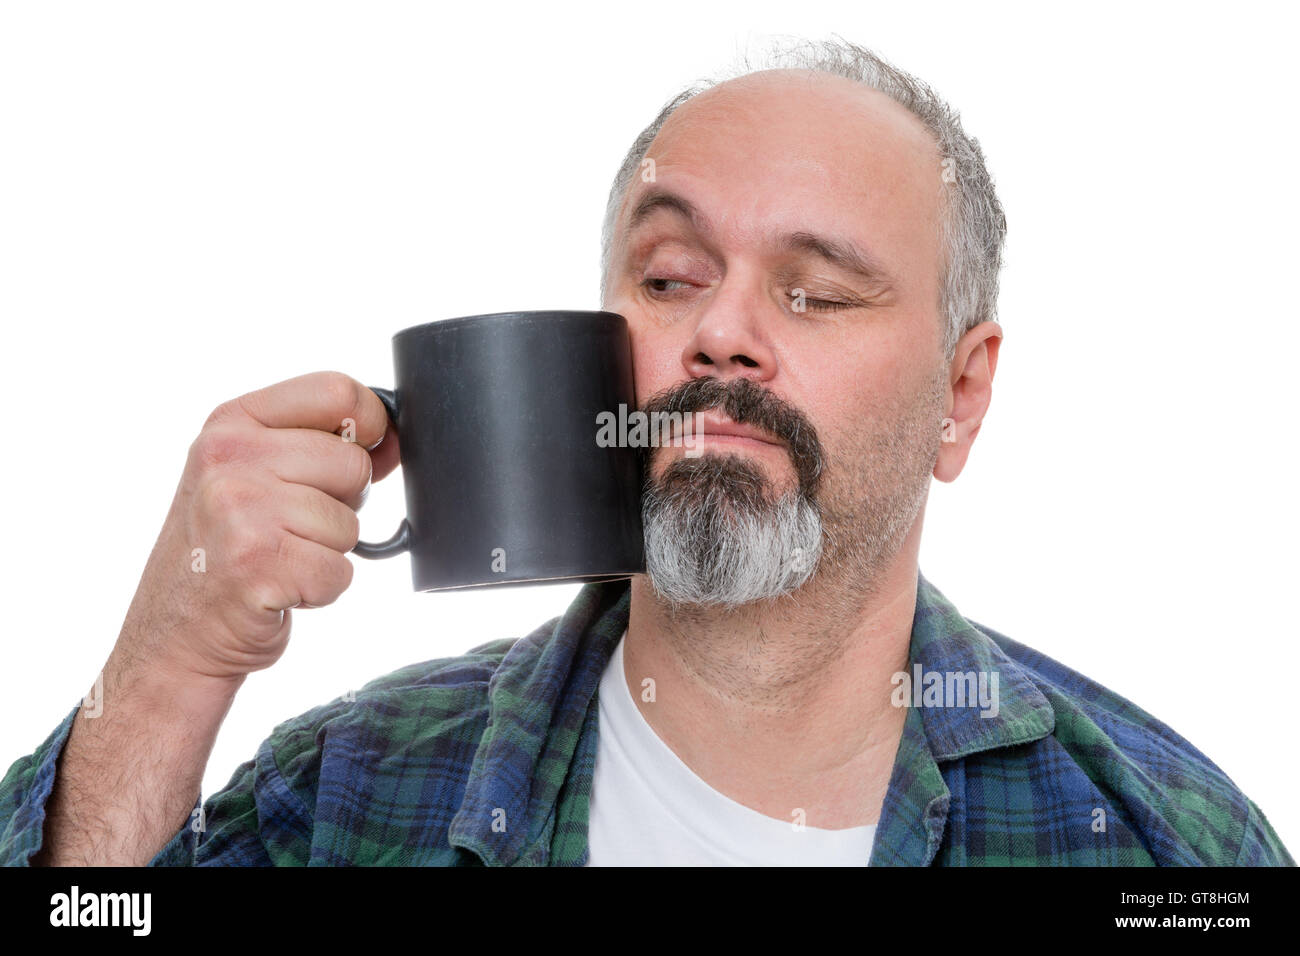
[729, 339]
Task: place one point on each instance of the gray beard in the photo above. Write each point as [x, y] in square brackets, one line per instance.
[712, 538]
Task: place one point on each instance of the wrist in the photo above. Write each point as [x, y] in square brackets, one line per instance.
[163, 689]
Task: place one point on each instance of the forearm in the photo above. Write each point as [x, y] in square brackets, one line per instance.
[132, 767]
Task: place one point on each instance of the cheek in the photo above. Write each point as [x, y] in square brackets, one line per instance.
[849, 404]
[887, 373]
[656, 362]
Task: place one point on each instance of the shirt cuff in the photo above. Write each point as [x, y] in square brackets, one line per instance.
[31, 779]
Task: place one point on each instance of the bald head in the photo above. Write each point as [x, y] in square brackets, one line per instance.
[795, 153]
[832, 100]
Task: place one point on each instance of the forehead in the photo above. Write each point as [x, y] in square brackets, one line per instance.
[788, 149]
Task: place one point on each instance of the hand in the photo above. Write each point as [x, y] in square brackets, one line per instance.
[262, 521]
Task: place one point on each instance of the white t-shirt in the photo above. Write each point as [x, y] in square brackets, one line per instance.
[649, 809]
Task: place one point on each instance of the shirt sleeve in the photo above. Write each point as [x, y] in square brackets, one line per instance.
[258, 819]
[26, 789]
[1261, 846]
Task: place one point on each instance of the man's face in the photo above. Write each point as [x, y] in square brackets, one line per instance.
[791, 176]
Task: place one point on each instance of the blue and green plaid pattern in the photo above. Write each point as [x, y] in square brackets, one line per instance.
[487, 758]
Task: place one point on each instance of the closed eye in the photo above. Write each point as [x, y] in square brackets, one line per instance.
[655, 285]
[820, 305]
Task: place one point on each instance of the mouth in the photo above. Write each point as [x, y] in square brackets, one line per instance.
[712, 429]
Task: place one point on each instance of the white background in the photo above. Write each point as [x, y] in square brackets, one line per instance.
[197, 200]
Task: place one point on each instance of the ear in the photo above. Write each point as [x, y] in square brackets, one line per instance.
[969, 394]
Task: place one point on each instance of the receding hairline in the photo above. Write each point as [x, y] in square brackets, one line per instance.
[918, 133]
[736, 86]
[972, 224]
[637, 205]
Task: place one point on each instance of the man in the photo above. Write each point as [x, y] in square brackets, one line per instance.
[809, 256]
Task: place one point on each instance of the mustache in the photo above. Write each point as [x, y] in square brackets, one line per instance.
[746, 402]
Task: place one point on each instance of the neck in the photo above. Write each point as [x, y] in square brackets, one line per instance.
[785, 704]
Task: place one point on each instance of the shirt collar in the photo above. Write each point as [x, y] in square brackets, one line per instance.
[915, 810]
[540, 732]
[538, 703]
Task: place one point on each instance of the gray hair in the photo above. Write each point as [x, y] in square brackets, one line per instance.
[973, 225]
[710, 538]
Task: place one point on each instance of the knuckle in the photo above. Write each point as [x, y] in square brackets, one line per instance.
[340, 391]
[219, 445]
[343, 573]
[248, 546]
[225, 495]
[267, 595]
[329, 580]
[224, 412]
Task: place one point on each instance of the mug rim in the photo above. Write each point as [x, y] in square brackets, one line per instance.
[521, 315]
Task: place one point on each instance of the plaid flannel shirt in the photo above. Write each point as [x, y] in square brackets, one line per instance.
[487, 758]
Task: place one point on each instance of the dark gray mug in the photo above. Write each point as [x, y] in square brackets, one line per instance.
[496, 419]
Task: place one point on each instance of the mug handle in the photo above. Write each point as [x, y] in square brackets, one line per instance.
[401, 541]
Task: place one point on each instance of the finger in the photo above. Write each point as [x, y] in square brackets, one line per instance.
[325, 401]
[339, 468]
[311, 514]
[302, 455]
[385, 456]
[309, 574]
[320, 573]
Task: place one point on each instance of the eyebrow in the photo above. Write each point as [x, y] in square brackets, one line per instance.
[655, 199]
[838, 252]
